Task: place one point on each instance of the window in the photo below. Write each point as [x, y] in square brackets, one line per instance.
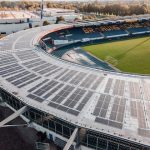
[112, 146]
[51, 125]
[66, 131]
[92, 141]
[102, 143]
[58, 128]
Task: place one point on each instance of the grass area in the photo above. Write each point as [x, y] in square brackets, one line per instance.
[132, 55]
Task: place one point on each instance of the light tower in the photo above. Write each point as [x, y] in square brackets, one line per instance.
[42, 3]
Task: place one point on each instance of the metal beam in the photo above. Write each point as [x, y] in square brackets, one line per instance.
[71, 139]
[13, 116]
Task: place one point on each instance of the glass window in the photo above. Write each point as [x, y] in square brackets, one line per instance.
[92, 141]
[122, 147]
[66, 132]
[32, 115]
[51, 125]
[45, 124]
[102, 143]
[58, 128]
[112, 146]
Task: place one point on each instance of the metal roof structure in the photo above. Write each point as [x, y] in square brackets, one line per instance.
[114, 103]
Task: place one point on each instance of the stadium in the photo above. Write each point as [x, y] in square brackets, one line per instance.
[80, 101]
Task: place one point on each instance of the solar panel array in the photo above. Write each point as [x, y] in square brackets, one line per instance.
[68, 89]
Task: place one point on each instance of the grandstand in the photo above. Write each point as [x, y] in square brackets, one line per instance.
[86, 34]
[78, 107]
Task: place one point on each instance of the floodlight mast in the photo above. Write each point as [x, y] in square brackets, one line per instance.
[42, 3]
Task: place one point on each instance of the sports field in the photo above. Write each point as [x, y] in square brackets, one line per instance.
[132, 55]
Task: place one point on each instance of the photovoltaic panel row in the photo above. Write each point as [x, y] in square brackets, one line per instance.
[148, 109]
[97, 83]
[55, 89]
[64, 108]
[146, 88]
[144, 132]
[118, 109]
[141, 116]
[133, 109]
[84, 101]
[8, 67]
[88, 81]
[36, 64]
[36, 98]
[108, 85]
[102, 105]
[62, 95]
[119, 87]
[68, 76]
[109, 122]
[38, 85]
[7, 59]
[30, 81]
[24, 79]
[10, 70]
[78, 78]
[25, 55]
[16, 71]
[17, 76]
[143, 129]
[41, 67]
[45, 88]
[31, 62]
[134, 89]
[53, 72]
[48, 69]
[62, 73]
[74, 98]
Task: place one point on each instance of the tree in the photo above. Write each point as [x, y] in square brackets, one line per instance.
[45, 23]
[58, 19]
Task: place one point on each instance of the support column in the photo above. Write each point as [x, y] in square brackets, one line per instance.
[13, 116]
[71, 139]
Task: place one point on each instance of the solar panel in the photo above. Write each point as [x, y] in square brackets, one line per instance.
[46, 88]
[35, 98]
[118, 109]
[78, 78]
[48, 69]
[84, 101]
[119, 87]
[24, 79]
[17, 76]
[53, 72]
[108, 85]
[27, 83]
[53, 91]
[63, 94]
[97, 83]
[32, 61]
[62, 73]
[134, 90]
[74, 98]
[68, 76]
[38, 85]
[88, 81]
[102, 105]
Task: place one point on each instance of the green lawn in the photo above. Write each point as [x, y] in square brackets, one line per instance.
[131, 55]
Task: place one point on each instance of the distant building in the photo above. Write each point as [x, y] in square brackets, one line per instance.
[13, 21]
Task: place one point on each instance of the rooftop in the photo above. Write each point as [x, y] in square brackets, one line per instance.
[114, 103]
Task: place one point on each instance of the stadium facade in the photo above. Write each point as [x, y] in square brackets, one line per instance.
[101, 109]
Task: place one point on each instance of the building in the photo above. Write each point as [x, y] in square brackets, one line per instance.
[84, 107]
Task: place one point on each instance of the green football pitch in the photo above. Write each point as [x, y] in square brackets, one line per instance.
[132, 55]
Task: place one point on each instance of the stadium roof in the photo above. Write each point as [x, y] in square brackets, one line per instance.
[114, 103]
